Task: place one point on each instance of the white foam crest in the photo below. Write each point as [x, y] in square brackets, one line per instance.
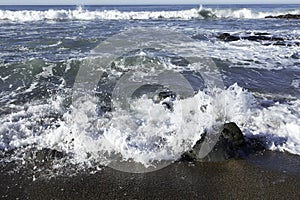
[249, 54]
[281, 124]
[248, 13]
[81, 14]
[148, 132]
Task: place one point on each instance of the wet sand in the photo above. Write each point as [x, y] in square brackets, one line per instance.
[267, 176]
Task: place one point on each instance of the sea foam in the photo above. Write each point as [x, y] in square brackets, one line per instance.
[86, 15]
[148, 132]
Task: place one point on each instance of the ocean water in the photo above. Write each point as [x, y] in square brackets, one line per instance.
[44, 49]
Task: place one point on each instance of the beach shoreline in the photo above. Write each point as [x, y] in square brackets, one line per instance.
[270, 175]
[83, 87]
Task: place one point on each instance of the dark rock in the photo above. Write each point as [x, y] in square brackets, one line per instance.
[231, 144]
[261, 37]
[287, 16]
[261, 33]
[256, 37]
[232, 133]
[228, 38]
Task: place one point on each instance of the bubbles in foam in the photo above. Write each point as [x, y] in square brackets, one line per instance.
[280, 123]
[147, 133]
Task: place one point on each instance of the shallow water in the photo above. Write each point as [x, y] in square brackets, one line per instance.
[43, 49]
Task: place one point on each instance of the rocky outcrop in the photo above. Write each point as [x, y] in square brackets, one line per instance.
[231, 144]
[256, 37]
[287, 16]
[265, 39]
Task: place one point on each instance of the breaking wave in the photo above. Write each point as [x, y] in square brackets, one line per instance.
[147, 133]
[245, 13]
[86, 15]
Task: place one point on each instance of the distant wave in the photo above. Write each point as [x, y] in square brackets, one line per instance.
[82, 14]
[242, 13]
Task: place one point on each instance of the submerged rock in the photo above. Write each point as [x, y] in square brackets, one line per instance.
[231, 144]
[287, 16]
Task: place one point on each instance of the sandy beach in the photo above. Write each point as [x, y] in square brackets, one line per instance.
[269, 175]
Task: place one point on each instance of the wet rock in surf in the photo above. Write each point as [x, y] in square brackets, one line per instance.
[228, 38]
[264, 38]
[287, 16]
[256, 37]
[231, 144]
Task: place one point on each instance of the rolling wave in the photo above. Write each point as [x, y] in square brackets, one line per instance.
[86, 15]
[245, 13]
